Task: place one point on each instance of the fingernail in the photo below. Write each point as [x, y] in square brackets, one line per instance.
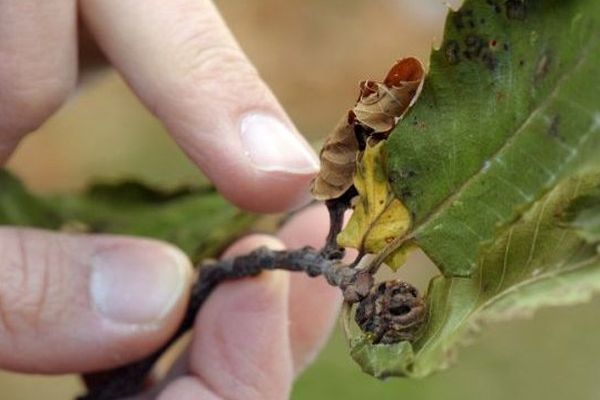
[138, 284]
[272, 146]
[275, 280]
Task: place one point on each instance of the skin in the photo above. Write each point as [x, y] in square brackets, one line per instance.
[253, 336]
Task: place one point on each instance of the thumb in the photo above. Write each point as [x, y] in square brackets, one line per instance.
[76, 303]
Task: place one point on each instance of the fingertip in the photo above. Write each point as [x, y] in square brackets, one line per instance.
[262, 191]
[89, 302]
[138, 282]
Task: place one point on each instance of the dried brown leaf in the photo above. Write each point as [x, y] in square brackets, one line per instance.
[381, 104]
[378, 108]
[338, 161]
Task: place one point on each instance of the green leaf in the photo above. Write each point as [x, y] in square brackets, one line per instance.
[18, 207]
[498, 164]
[199, 221]
[538, 261]
[508, 110]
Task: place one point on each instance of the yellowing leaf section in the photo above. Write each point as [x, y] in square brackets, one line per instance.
[379, 217]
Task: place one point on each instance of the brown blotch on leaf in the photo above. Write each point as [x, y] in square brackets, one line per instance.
[553, 128]
[494, 5]
[379, 107]
[542, 68]
[479, 49]
[392, 312]
[452, 52]
[515, 9]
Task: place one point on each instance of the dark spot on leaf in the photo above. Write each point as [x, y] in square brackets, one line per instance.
[482, 21]
[408, 174]
[493, 43]
[505, 46]
[381, 202]
[489, 60]
[542, 67]
[474, 45]
[515, 9]
[553, 128]
[494, 5]
[521, 63]
[478, 48]
[459, 24]
[452, 52]
[463, 18]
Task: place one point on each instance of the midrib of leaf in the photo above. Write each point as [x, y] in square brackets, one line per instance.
[443, 205]
[375, 220]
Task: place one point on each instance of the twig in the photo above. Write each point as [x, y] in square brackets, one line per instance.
[336, 208]
[130, 379]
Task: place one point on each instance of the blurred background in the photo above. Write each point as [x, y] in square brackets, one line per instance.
[307, 50]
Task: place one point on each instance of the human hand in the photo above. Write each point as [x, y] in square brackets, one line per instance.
[78, 303]
[254, 336]
[251, 338]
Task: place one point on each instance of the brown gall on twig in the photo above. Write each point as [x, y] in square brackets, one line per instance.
[392, 312]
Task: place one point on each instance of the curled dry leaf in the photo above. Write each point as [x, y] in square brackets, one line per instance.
[380, 104]
[378, 108]
[338, 161]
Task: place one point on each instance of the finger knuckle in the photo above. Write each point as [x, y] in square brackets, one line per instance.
[224, 64]
[210, 62]
[31, 284]
[26, 104]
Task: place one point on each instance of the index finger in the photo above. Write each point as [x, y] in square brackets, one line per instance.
[187, 68]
